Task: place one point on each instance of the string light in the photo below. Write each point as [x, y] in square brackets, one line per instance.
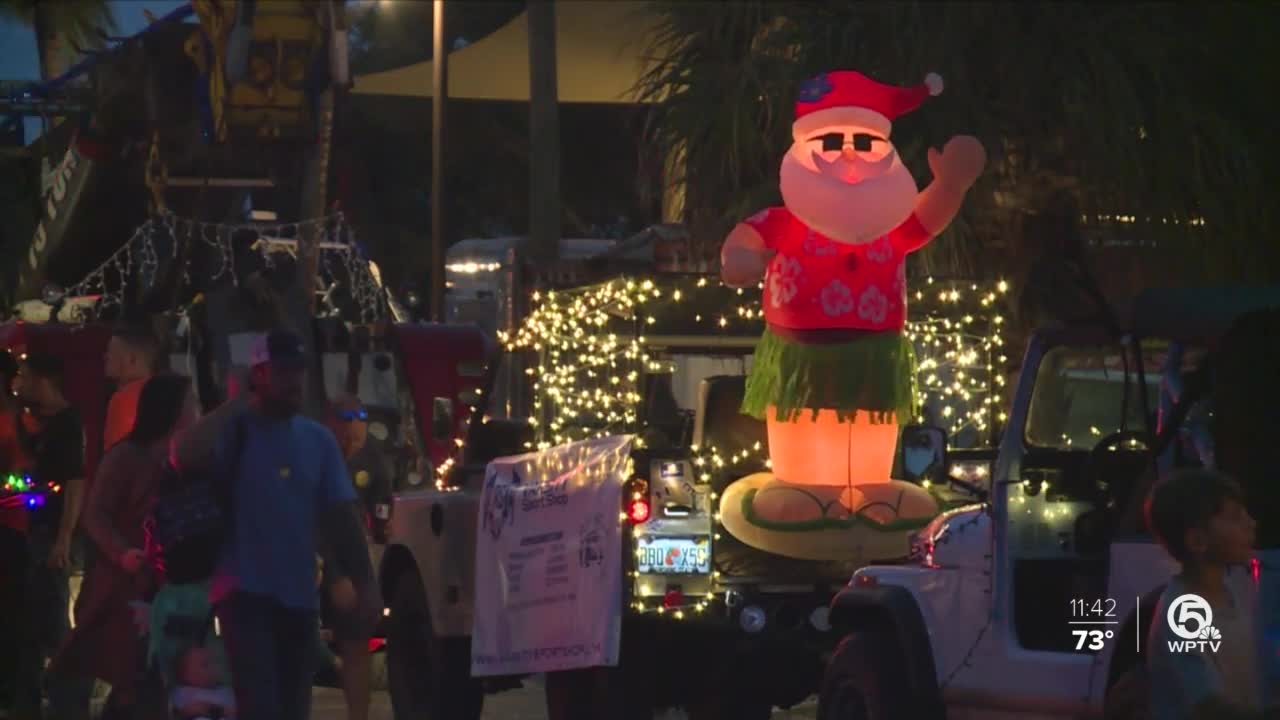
[473, 268]
[341, 259]
[592, 350]
[1131, 219]
[21, 491]
[592, 347]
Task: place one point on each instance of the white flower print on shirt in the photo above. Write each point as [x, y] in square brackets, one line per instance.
[784, 279]
[880, 251]
[873, 305]
[837, 299]
[899, 288]
[816, 245]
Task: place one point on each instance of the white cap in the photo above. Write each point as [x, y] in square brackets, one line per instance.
[278, 346]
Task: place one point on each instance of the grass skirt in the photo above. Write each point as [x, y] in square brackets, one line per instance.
[874, 374]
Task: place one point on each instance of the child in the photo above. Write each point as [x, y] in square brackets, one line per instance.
[1200, 519]
[197, 695]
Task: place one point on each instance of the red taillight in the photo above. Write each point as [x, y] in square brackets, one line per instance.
[638, 511]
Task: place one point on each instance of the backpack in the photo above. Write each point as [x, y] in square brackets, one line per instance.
[192, 517]
[181, 616]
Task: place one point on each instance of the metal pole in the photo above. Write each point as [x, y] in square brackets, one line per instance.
[544, 135]
[439, 97]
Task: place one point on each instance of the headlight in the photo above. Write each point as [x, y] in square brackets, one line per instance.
[972, 473]
[752, 619]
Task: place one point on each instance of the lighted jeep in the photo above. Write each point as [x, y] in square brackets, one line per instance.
[1036, 602]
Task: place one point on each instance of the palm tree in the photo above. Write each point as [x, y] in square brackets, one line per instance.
[1122, 106]
[79, 24]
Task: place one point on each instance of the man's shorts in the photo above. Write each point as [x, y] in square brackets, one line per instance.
[359, 624]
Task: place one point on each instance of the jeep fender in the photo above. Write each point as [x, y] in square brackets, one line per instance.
[893, 608]
[437, 531]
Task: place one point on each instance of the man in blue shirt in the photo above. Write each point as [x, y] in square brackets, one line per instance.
[291, 495]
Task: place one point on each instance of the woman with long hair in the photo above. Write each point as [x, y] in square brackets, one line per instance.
[105, 643]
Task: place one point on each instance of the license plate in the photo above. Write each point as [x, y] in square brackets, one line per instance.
[673, 556]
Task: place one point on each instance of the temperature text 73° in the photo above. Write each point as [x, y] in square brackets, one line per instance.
[1091, 639]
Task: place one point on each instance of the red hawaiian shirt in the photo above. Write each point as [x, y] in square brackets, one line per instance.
[816, 283]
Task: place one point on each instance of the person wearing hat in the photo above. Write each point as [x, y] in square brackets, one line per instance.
[291, 500]
[371, 477]
[834, 373]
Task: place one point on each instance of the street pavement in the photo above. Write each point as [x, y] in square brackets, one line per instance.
[527, 703]
[524, 704]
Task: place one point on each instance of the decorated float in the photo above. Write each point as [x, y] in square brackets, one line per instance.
[658, 356]
[834, 373]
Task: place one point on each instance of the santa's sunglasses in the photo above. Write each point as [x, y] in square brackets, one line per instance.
[835, 142]
[353, 415]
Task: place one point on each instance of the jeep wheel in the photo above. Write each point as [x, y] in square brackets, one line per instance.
[730, 707]
[429, 677]
[592, 693]
[738, 694]
[866, 680]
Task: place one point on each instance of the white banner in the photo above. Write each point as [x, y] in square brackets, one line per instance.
[549, 560]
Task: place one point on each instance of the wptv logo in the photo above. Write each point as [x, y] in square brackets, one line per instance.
[1191, 619]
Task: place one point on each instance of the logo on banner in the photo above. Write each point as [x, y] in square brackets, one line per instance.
[499, 504]
[591, 543]
[1191, 619]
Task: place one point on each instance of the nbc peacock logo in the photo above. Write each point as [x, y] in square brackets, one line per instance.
[1191, 619]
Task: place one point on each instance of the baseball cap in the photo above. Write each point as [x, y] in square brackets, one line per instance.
[282, 347]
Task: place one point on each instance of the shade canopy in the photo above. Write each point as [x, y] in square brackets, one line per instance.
[600, 49]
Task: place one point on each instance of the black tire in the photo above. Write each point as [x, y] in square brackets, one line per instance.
[866, 680]
[590, 694]
[740, 697]
[731, 707]
[429, 678]
[1129, 698]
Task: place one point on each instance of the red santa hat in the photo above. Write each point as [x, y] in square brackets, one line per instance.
[847, 97]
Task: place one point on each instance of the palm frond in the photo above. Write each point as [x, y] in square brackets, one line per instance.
[82, 24]
[1129, 105]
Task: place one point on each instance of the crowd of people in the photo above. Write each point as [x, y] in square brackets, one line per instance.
[299, 495]
[300, 498]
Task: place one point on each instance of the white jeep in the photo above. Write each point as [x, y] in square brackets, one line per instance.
[1036, 603]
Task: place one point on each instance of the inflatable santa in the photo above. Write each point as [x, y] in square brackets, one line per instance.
[834, 374]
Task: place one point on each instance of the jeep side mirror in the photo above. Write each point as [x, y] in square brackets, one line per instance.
[923, 452]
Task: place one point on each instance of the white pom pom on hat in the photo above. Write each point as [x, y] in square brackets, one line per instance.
[933, 81]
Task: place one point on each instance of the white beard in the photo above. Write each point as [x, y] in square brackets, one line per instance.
[851, 213]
